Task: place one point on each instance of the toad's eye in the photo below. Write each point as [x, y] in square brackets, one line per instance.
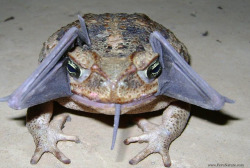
[154, 70]
[73, 69]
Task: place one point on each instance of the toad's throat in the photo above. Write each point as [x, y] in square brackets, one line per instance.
[94, 104]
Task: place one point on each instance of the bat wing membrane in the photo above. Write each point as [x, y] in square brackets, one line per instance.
[180, 81]
[50, 80]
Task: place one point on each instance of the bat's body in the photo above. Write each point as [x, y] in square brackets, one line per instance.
[113, 64]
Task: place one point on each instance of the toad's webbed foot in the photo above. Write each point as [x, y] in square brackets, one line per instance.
[159, 137]
[46, 134]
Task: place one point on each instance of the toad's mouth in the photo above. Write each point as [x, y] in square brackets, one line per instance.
[94, 104]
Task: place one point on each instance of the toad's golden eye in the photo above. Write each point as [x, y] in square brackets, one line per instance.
[154, 70]
[73, 69]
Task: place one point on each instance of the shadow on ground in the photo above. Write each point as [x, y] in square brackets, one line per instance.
[127, 120]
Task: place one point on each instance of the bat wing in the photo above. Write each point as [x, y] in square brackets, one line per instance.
[180, 81]
[50, 80]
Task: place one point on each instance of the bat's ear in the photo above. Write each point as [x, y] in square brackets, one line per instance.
[50, 80]
[180, 81]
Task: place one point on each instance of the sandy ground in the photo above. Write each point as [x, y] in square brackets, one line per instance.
[221, 57]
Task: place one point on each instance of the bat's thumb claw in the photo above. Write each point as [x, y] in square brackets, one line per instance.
[229, 100]
[4, 99]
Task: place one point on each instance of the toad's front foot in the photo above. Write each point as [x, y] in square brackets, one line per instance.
[159, 137]
[158, 142]
[46, 134]
[46, 139]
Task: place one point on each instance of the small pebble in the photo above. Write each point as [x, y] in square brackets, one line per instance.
[219, 41]
[9, 18]
[205, 33]
[219, 7]
[193, 14]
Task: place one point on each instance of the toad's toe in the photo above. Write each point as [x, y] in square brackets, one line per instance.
[158, 142]
[46, 139]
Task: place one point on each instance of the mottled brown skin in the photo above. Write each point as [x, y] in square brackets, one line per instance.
[119, 52]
